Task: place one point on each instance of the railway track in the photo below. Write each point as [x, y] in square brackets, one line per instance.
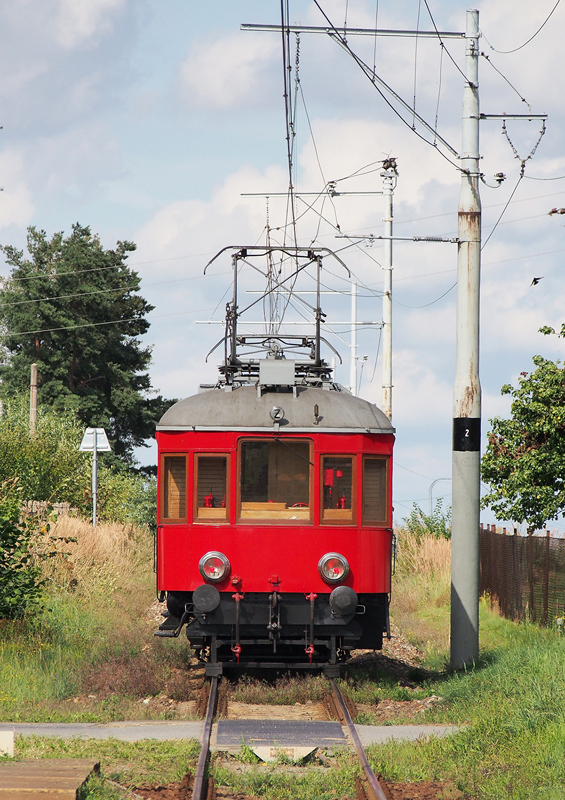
[369, 787]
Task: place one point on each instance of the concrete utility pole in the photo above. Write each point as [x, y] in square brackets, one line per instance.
[353, 367]
[33, 400]
[467, 388]
[389, 176]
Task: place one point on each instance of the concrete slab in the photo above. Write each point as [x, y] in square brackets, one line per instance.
[229, 734]
[6, 743]
[34, 779]
[125, 731]
[377, 734]
[274, 753]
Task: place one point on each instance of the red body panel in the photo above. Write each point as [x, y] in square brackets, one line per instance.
[286, 552]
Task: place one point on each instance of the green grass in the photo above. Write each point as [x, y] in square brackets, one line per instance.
[304, 783]
[147, 762]
[512, 705]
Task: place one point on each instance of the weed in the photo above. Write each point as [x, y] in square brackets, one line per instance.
[273, 783]
[288, 690]
[246, 755]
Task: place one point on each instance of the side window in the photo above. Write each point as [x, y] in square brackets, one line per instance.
[211, 487]
[275, 480]
[174, 488]
[337, 488]
[375, 491]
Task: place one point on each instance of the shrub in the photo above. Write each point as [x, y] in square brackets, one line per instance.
[48, 465]
[437, 524]
[19, 574]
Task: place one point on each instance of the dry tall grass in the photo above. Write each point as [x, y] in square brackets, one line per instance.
[421, 589]
[107, 560]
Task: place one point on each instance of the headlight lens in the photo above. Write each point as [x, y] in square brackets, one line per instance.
[333, 567]
[214, 567]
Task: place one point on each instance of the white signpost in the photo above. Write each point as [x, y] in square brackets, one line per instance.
[95, 441]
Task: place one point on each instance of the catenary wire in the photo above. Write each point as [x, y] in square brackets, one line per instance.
[503, 76]
[367, 71]
[496, 224]
[416, 62]
[442, 44]
[515, 49]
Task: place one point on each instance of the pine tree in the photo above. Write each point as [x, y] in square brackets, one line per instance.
[74, 309]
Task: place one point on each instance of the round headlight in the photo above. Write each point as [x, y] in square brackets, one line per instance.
[214, 567]
[333, 567]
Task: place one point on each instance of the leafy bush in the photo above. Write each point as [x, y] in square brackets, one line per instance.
[48, 465]
[437, 524]
[19, 575]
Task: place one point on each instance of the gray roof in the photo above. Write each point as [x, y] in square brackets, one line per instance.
[243, 409]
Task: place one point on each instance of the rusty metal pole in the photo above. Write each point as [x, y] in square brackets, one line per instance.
[467, 388]
[33, 400]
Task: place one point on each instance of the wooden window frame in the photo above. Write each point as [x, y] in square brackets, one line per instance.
[349, 520]
[212, 520]
[163, 520]
[311, 475]
[385, 523]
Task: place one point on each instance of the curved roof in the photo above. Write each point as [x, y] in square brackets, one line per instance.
[244, 409]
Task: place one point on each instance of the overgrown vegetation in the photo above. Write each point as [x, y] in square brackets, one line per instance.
[93, 638]
[142, 763]
[20, 577]
[272, 783]
[92, 635]
[49, 466]
[421, 592]
[437, 524]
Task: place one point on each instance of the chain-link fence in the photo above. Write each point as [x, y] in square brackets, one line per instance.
[524, 575]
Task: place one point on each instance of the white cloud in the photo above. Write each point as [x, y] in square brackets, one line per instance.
[16, 206]
[229, 71]
[79, 20]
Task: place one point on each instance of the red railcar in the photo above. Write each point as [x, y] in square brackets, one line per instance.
[274, 541]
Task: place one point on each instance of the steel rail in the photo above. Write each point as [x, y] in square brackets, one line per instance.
[373, 790]
[198, 788]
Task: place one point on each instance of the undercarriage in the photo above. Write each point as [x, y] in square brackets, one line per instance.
[258, 630]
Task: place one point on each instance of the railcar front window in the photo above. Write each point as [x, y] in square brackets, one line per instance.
[337, 488]
[211, 493]
[375, 491]
[174, 487]
[275, 480]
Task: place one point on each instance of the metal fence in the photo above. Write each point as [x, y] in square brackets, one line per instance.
[524, 575]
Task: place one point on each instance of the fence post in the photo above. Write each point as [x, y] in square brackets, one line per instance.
[531, 574]
[546, 581]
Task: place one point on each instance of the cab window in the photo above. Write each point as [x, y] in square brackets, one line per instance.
[275, 480]
[211, 487]
[337, 488]
[375, 491]
[174, 488]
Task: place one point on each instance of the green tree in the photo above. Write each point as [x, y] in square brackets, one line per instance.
[524, 463]
[74, 308]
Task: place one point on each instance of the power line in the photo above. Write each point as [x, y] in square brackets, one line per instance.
[97, 324]
[502, 212]
[370, 74]
[531, 178]
[426, 304]
[544, 23]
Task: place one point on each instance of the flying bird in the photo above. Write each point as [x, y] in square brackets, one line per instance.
[535, 281]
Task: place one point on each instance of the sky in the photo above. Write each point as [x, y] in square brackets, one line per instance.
[154, 122]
